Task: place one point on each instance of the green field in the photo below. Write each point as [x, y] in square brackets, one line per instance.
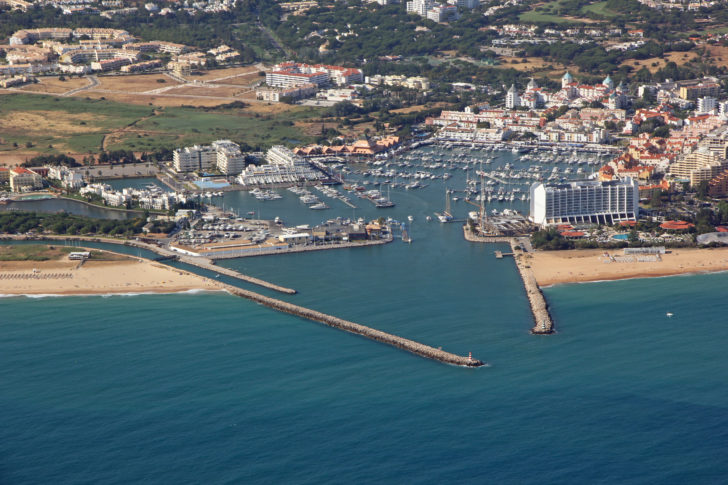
[543, 17]
[50, 124]
[53, 125]
[33, 252]
[600, 8]
[175, 127]
[556, 12]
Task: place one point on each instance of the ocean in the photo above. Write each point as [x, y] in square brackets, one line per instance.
[211, 388]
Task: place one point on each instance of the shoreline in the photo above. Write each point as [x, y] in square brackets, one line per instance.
[191, 291]
[552, 268]
[645, 276]
[122, 275]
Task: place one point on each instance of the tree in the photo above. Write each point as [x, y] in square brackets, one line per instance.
[656, 199]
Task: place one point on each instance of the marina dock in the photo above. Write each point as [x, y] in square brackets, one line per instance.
[543, 323]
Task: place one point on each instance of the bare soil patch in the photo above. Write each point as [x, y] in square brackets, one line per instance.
[53, 86]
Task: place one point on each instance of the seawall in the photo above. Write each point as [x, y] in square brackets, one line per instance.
[543, 323]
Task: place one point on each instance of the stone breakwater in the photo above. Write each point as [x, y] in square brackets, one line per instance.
[543, 323]
[355, 328]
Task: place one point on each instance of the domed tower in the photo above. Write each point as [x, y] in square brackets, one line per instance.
[608, 82]
[531, 85]
[566, 80]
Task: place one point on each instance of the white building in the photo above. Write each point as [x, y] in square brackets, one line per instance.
[190, 159]
[420, 7]
[469, 4]
[512, 98]
[707, 104]
[442, 13]
[585, 202]
[230, 160]
[23, 180]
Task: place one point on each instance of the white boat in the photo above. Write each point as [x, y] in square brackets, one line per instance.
[410, 218]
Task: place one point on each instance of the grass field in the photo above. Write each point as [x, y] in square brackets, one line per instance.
[600, 8]
[34, 252]
[186, 126]
[545, 12]
[60, 125]
[551, 12]
[80, 126]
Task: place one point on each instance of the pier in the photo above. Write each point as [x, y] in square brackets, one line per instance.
[543, 323]
[208, 265]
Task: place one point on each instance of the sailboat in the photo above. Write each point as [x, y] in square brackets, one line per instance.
[446, 216]
[405, 235]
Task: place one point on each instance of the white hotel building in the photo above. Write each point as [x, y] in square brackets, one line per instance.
[585, 202]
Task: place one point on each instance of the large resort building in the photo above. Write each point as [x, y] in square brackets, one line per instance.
[585, 202]
[290, 74]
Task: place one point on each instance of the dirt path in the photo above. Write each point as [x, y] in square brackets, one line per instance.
[121, 131]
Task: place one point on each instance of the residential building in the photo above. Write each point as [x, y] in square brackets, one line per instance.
[443, 13]
[718, 185]
[420, 7]
[694, 91]
[230, 160]
[585, 202]
[698, 167]
[512, 98]
[190, 159]
[289, 74]
[23, 180]
[276, 94]
[707, 104]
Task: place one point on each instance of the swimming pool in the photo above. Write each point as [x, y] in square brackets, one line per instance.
[621, 237]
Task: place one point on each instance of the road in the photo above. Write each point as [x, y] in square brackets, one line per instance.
[93, 82]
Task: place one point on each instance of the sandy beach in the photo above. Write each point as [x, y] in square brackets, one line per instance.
[556, 267]
[96, 277]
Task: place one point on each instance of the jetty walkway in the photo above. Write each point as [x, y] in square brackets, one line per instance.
[543, 323]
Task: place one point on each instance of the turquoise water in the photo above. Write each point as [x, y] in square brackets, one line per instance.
[210, 388]
[621, 237]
